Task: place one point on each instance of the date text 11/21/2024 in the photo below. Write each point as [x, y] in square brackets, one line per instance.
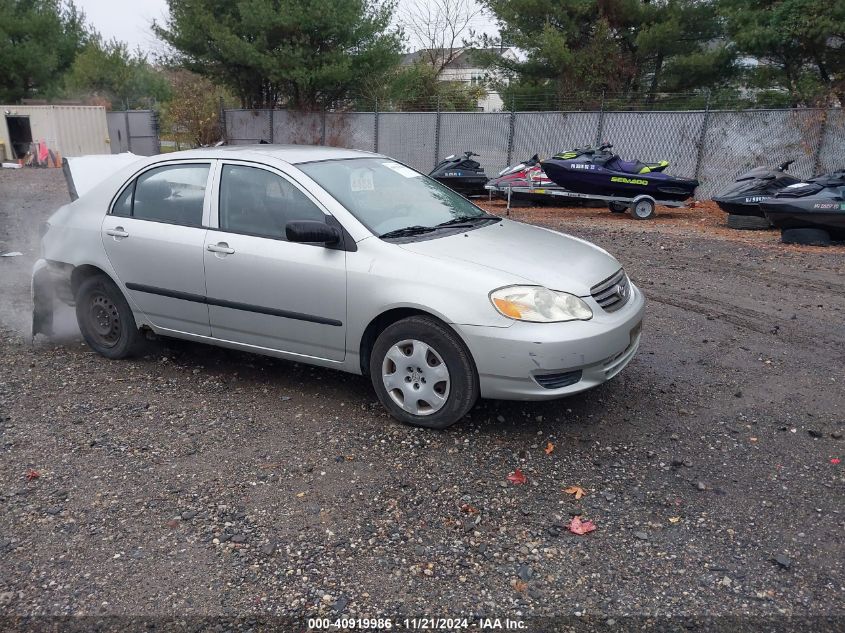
[415, 624]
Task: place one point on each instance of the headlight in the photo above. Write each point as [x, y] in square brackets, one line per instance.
[539, 305]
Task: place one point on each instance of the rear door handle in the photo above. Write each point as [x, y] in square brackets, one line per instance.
[117, 232]
[221, 247]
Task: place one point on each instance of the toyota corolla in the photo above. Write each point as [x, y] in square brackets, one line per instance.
[338, 258]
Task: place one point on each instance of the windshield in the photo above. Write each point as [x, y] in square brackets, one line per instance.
[387, 196]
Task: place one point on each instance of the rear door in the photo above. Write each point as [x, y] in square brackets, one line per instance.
[263, 290]
[154, 238]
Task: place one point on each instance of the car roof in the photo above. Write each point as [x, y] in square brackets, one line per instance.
[289, 153]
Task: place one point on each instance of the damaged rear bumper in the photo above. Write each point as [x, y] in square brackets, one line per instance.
[50, 283]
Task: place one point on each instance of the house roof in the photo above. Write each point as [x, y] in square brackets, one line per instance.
[463, 57]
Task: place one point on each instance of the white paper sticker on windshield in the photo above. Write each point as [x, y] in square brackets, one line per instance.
[361, 180]
[401, 170]
[797, 184]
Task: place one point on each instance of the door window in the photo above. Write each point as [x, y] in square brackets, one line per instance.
[173, 194]
[258, 202]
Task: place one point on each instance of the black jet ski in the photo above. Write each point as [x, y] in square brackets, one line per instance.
[604, 173]
[810, 212]
[461, 174]
[741, 201]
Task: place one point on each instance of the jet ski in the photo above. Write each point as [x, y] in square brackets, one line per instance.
[461, 174]
[603, 173]
[588, 150]
[810, 212]
[527, 174]
[743, 197]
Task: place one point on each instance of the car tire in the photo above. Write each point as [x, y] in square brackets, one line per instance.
[643, 209]
[105, 318]
[617, 207]
[748, 222]
[807, 237]
[438, 385]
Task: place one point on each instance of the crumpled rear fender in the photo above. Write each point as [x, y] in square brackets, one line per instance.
[50, 282]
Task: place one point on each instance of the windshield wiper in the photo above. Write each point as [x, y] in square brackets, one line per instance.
[418, 229]
[407, 231]
[469, 218]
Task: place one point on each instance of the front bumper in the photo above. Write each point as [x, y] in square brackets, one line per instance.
[509, 360]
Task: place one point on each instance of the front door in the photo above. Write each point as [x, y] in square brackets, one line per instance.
[261, 289]
[154, 238]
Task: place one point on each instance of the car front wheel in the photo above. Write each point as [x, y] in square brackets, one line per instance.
[422, 373]
[105, 318]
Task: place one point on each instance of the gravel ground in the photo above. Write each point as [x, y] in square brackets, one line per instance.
[203, 482]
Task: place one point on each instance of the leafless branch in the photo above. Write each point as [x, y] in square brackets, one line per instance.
[439, 26]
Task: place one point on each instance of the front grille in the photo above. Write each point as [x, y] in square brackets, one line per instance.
[556, 381]
[612, 293]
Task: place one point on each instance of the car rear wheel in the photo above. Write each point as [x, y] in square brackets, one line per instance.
[105, 319]
[808, 237]
[423, 374]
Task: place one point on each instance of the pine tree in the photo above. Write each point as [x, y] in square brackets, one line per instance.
[298, 53]
[796, 47]
[39, 39]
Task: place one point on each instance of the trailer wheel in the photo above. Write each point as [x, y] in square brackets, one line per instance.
[618, 207]
[748, 222]
[643, 209]
[807, 237]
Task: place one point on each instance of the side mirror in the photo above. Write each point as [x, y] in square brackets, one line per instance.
[311, 231]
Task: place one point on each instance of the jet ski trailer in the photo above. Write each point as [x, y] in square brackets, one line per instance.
[642, 206]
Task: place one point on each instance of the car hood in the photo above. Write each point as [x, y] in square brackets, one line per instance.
[527, 253]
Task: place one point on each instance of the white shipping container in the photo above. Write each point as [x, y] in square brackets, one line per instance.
[67, 129]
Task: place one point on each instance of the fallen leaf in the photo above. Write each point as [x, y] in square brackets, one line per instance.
[32, 474]
[517, 477]
[577, 526]
[834, 461]
[520, 585]
[300, 494]
[469, 509]
[674, 519]
[550, 448]
[578, 491]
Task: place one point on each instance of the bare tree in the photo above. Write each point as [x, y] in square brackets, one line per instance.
[439, 26]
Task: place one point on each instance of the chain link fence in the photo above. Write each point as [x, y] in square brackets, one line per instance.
[712, 145]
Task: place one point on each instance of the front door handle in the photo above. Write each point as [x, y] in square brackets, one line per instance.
[117, 232]
[221, 247]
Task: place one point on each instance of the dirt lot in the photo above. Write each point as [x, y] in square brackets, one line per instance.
[206, 482]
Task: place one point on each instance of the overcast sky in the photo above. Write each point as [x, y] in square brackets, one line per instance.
[129, 20]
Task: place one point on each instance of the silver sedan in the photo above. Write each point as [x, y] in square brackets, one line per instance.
[342, 259]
